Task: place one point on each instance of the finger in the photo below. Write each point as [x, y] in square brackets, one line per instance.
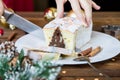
[60, 8]
[77, 10]
[87, 7]
[95, 6]
[1, 8]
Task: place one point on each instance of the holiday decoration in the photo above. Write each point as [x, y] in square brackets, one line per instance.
[1, 32]
[4, 23]
[22, 67]
[12, 27]
[8, 48]
[50, 13]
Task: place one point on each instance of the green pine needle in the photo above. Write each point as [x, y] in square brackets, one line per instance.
[39, 69]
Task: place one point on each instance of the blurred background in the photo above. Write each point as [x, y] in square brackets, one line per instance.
[41, 5]
[106, 5]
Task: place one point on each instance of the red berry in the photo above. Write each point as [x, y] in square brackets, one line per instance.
[1, 32]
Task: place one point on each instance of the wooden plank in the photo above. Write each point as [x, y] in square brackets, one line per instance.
[85, 78]
[77, 72]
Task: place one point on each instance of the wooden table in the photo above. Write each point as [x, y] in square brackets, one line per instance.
[78, 72]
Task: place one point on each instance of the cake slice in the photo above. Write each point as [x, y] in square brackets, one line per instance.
[67, 32]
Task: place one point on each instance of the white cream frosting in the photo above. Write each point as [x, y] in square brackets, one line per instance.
[67, 23]
[74, 33]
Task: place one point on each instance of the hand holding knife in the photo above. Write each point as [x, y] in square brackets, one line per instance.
[20, 22]
[29, 27]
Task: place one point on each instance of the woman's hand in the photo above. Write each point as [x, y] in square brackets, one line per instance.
[1, 7]
[78, 7]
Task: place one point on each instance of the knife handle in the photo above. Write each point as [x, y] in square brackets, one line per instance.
[7, 14]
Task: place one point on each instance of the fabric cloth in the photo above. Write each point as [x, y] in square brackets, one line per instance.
[20, 5]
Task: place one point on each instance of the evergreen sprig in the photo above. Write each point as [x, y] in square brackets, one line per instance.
[39, 69]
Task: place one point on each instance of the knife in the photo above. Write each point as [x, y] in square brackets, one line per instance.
[29, 27]
[22, 23]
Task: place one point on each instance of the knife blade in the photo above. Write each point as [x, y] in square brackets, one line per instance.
[21, 22]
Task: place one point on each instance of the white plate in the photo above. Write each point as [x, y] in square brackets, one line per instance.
[110, 46]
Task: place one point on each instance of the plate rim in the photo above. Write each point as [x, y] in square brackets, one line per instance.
[76, 63]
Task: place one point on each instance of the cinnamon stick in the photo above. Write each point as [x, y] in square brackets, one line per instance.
[85, 52]
[94, 51]
[12, 36]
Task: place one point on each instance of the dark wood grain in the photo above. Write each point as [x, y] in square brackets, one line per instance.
[79, 72]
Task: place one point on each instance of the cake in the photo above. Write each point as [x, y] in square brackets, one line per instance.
[67, 32]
